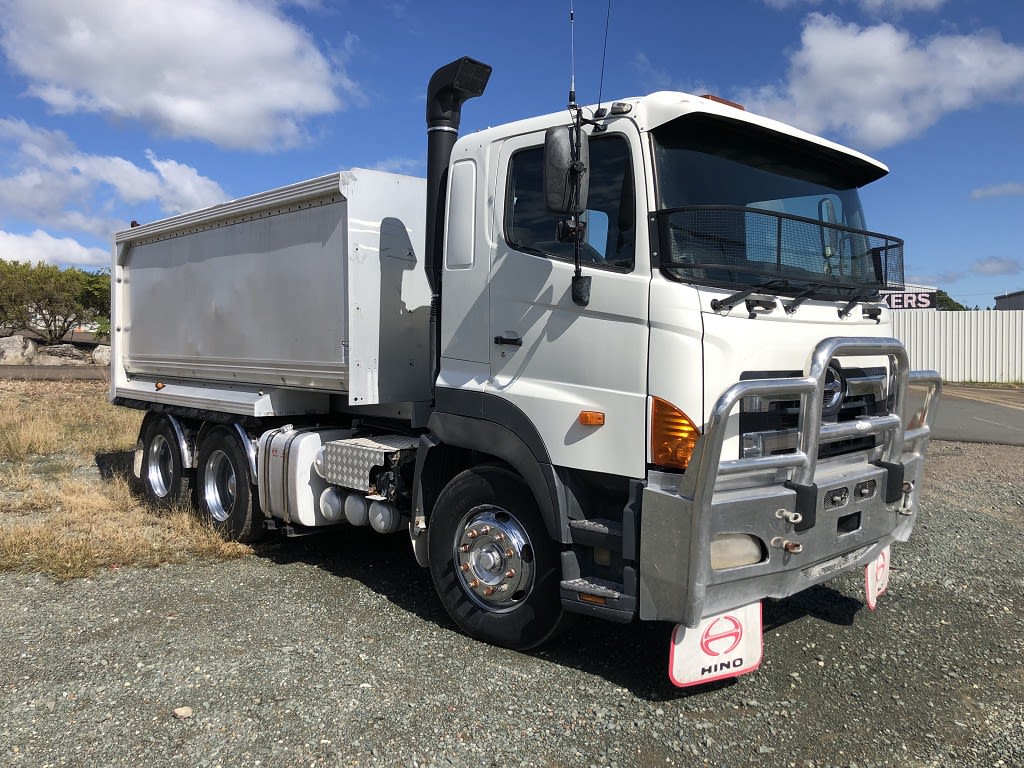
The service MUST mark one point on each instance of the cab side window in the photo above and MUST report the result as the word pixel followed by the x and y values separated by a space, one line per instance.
pixel 610 217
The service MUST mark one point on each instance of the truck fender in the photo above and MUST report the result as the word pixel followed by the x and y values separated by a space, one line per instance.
pixel 185 447
pixel 448 430
pixel 248 444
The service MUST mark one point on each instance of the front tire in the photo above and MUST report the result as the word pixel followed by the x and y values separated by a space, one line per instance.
pixel 165 480
pixel 492 562
pixel 223 490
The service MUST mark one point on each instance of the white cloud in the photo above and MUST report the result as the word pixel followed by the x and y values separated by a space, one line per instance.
pixel 998 190
pixel 181 188
pixel 654 78
pixel 942 278
pixel 40 246
pixel 996 265
pixel 878 85
pixel 59 187
pixel 406 165
pixel 237 73
pixel 898 6
pixel 871 6
pixel 782 4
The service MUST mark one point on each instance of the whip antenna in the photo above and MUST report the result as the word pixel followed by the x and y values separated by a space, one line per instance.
pixel 604 55
pixel 572 56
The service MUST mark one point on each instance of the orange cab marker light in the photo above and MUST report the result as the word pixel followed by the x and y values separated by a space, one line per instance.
pixel 673 435
pixel 720 100
pixel 593 599
pixel 592 418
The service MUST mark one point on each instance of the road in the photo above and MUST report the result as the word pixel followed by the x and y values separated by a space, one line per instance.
pixel 975 414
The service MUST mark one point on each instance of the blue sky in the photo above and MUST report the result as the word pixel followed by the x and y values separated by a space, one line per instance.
pixel 118 109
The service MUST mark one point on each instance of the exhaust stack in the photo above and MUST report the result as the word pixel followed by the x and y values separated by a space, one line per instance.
pixel 450 87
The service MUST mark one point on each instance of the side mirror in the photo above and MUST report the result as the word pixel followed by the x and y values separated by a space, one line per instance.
pixel 565 172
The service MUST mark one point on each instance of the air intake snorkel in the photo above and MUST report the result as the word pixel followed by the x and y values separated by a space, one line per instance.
pixel 450 87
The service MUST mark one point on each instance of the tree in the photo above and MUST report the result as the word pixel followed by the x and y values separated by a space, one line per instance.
pixel 97 300
pixel 62 299
pixel 944 301
pixel 14 278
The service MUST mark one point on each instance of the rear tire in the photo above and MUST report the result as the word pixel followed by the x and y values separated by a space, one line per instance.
pixel 492 562
pixel 223 489
pixel 165 481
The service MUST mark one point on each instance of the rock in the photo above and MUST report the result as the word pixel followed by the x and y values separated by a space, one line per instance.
pixel 17 350
pixel 183 713
pixel 101 355
pixel 60 354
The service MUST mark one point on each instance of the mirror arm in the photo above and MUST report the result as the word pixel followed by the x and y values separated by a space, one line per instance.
pixel 580 282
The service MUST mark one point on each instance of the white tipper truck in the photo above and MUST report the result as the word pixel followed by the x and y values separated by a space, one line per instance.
pixel 628 361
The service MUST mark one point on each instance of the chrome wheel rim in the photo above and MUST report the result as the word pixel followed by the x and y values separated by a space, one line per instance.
pixel 494 558
pixel 219 486
pixel 159 466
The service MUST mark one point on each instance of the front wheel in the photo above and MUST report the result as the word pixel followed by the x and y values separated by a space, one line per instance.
pixel 492 562
pixel 223 490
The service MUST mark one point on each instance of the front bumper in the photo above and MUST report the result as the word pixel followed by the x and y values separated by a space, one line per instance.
pixel 847 508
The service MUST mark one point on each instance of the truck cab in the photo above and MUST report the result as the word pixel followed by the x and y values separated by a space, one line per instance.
pixel 723 420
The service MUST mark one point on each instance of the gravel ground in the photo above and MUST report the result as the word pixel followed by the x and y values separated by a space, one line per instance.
pixel 333 651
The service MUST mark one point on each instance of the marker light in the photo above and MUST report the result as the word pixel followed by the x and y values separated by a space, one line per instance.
pixel 592 418
pixel 673 435
pixel 720 100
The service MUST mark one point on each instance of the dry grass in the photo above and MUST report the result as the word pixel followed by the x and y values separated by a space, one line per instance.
pixel 57 515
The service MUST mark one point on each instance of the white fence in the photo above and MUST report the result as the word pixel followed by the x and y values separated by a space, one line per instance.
pixel 964 346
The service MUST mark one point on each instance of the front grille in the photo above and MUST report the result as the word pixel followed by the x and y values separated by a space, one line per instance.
pixel 769 427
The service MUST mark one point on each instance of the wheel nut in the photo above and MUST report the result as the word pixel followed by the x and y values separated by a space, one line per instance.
pixel 472 533
pixel 486 529
pixel 499 536
pixel 474 583
pixel 464 567
pixel 464 548
pixel 510 573
pixel 510 552
pixel 488 591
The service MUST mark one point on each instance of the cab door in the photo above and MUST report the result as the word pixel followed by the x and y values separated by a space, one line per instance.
pixel 550 358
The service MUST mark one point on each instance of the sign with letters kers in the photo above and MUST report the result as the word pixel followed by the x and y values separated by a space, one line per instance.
pixel 876 577
pixel 726 645
pixel 910 300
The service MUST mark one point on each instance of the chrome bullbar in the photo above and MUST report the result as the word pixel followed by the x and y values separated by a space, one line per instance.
pixel 811 519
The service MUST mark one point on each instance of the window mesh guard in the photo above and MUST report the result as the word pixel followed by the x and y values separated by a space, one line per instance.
pixel 738 245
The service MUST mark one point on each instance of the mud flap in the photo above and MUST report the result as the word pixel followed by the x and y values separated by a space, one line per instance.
pixel 726 645
pixel 876 577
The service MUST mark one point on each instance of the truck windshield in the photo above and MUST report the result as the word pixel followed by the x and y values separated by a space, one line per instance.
pixel 741 206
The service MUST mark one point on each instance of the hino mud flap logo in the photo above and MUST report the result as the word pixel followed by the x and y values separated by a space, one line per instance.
pixel 724 633
pixel 725 645
pixel 876 577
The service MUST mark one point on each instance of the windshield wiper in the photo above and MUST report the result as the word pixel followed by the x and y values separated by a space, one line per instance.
pixel 858 297
pixel 769 286
pixel 809 292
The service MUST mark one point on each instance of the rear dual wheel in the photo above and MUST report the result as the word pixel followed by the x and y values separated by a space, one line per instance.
pixel 223 489
pixel 166 482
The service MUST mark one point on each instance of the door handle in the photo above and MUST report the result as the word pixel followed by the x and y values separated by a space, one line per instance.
pixel 512 342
